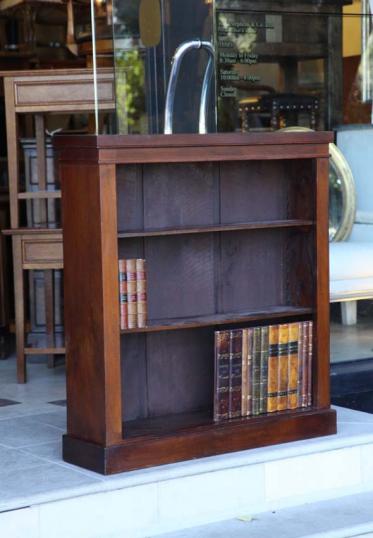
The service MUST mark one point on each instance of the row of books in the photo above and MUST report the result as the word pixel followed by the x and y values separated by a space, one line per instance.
pixel 262 369
pixel 132 291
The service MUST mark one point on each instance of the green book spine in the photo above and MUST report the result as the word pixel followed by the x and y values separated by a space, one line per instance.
pixel 264 353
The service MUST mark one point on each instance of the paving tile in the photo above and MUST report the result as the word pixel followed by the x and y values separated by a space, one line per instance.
pixel 11 458
pixel 38 484
pixel 24 431
pixel 54 418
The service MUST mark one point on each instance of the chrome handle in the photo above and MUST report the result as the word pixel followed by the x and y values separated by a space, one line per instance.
pixel 180 52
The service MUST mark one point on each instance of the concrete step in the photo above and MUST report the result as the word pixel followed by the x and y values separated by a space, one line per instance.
pixel 345 517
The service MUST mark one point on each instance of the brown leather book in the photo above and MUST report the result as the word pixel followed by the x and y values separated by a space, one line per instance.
pixel 249 378
pixel 264 352
pixel 142 308
pixel 256 371
pixel 283 340
pixel 123 305
pixel 301 361
pixel 244 384
pixel 132 294
pixel 273 369
pixel 235 373
pixel 221 377
pixel 293 366
pixel 309 363
pixel 304 347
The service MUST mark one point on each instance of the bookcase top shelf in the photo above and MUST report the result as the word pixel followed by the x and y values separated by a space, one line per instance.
pixel 124 149
pixel 270 313
pixel 294 223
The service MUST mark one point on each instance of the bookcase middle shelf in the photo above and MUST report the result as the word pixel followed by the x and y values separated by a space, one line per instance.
pixel 267 313
pixel 255 225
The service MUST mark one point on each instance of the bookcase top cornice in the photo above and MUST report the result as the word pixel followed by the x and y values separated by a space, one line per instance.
pixel 121 149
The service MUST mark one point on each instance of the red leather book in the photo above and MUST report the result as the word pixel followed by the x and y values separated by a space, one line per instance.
pixel 256 371
pixel 245 380
pixel 235 373
pixel 132 294
pixel 142 308
pixel 249 372
pixel 221 378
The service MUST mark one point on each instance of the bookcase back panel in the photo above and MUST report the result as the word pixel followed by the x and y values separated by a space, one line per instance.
pixel 300 268
pixel 178 195
pixel 180 276
pixel 130 198
pixel 167 373
pixel 134 376
pixel 252 271
pixel 253 191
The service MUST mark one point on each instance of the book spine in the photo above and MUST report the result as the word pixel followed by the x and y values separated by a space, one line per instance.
pixel 283 339
pixel 221 388
pixel 244 384
pixel 264 352
pixel 309 363
pixel 249 378
pixel 304 345
pixel 293 366
pixel 123 295
pixel 142 309
pixel 235 373
pixel 132 294
pixel 301 361
pixel 256 372
pixel 273 369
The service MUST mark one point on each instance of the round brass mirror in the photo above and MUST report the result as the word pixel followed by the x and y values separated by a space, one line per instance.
pixel 342 196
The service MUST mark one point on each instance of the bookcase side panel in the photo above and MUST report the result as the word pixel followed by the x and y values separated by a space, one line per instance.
pixel 321 366
pixel 91 302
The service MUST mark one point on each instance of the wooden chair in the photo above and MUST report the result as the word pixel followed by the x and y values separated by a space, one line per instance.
pixel 40 93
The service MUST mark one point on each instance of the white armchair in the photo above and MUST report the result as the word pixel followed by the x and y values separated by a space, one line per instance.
pixel 351 260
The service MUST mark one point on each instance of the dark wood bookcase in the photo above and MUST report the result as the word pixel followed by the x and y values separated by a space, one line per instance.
pixel 234 230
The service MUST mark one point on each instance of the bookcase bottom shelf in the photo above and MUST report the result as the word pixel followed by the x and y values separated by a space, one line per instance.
pixel 196 437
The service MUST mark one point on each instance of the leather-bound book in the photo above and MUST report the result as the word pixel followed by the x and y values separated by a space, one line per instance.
pixel 132 294
pixel 273 369
pixel 309 363
pixel 256 371
pixel 293 365
pixel 249 378
pixel 123 295
pixel 244 384
pixel 264 352
pixel 221 378
pixel 301 363
pixel 283 340
pixel 304 352
pixel 235 373
pixel 142 307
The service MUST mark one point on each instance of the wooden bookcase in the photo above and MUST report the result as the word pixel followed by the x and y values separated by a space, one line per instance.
pixel 234 230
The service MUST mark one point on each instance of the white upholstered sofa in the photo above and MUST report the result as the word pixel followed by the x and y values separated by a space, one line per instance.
pixel 351 260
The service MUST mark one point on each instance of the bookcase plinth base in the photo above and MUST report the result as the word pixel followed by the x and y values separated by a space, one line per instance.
pixel 209 440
